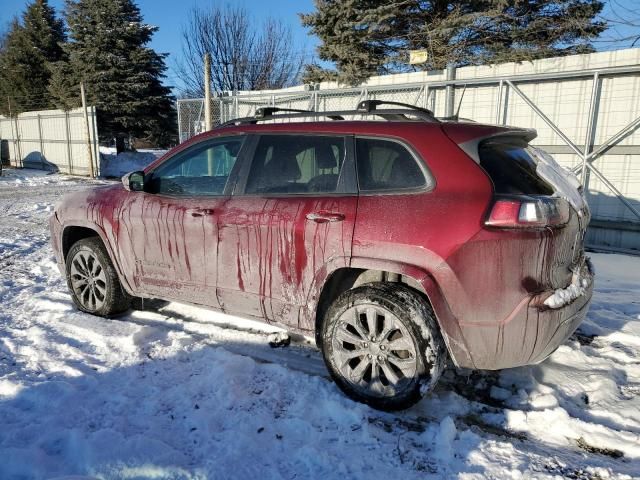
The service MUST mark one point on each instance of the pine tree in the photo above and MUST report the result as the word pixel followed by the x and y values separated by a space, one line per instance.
pixel 369 37
pixel 123 76
pixel 30 48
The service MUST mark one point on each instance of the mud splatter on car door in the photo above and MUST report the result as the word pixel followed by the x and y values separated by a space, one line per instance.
pixel 173 243
pixel 288 228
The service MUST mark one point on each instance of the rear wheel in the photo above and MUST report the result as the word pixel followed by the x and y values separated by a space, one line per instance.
pixel 93 281
pixel 382 345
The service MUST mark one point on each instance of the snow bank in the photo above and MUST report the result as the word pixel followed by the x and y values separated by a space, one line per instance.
pixel 112 165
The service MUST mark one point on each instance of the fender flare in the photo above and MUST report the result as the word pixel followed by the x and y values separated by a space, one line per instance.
pixel 107 245
pixel 448 323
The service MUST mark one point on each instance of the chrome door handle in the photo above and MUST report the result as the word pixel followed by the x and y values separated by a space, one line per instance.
pixel 324 217
pixel 201 212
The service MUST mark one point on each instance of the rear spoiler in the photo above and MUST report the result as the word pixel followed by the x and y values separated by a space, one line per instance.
pixel 468 139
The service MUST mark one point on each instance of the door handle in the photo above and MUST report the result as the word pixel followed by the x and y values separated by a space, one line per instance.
pixel 324 217
pixel 201 212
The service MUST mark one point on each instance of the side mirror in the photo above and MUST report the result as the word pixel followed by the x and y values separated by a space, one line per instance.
pixel 133 182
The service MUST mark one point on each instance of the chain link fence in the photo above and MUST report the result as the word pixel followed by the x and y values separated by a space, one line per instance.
pixel 191 111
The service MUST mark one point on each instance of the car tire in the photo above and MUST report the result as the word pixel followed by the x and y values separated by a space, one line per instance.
pixel 382 345
pixel 93 281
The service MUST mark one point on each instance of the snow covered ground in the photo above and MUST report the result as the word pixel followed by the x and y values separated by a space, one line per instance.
pixel 175 392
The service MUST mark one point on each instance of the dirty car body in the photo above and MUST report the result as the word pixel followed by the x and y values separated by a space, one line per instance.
pixel 274 221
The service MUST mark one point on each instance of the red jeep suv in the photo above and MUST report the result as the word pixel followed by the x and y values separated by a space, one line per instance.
pixel 396 243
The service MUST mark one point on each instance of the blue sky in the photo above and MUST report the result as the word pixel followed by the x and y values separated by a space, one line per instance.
pixel 171 15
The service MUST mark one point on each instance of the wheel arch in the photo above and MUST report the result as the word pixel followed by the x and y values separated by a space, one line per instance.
pixel 73 232
pixel 363 271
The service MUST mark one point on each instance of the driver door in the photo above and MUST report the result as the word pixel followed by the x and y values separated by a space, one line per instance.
pixel 172 227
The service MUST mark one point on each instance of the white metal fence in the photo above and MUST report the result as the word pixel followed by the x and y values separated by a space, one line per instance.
pixel 586 109
pixel 52 139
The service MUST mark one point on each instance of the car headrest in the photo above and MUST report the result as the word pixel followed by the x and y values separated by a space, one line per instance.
pixel 284 162
pixel 325 158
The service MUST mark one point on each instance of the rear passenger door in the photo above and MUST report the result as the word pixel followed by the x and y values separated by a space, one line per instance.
pixel 288 224
pixel 392 178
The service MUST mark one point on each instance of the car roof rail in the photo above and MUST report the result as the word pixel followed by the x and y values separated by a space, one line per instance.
pixel 365 107
pixel 370 106
pixel 262 112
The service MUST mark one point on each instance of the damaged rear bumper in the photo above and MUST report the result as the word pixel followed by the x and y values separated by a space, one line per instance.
pixel 534 332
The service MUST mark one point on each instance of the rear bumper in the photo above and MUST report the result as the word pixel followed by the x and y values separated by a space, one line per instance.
pixel 532 333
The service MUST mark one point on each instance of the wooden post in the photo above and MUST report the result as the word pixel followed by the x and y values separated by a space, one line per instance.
pixel 87 130
pixel 207 109
pixel 15 148
pixel 16 141
pixel 207 92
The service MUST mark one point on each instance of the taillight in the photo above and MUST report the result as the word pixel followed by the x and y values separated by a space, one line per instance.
pixel 528 212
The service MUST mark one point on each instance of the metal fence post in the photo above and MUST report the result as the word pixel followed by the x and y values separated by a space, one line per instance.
pixel 68 138
pixel 40 141
pixel 96 147
pixel 425 98
pixel 499 103
pixel 179 112
pixel 451 92
pixel 591 122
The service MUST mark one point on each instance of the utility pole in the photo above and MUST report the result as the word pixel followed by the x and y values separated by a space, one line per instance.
pixel 87 130
pixel 207 109
pixel 207 91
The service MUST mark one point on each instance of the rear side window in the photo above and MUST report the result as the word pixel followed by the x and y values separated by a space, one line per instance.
pixel 294 164
pixel 384 165
pixel 511 167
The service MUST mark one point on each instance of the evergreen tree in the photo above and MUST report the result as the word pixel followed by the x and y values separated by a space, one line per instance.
pixel 123 76
pixel 369 37
pixel 30 48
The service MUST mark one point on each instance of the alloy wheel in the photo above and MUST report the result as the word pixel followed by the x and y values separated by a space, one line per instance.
pixel 374 351
pixel 88 280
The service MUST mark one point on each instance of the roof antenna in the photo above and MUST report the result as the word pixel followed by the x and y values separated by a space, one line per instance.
pixel 456 117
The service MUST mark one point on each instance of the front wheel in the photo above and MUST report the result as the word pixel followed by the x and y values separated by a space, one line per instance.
pixel 382 345
pixel 93 281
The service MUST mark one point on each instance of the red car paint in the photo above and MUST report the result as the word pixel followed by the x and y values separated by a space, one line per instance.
pixel 270 256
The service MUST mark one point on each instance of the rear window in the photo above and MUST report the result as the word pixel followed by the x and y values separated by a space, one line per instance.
pixel 511 167
pixel 384 165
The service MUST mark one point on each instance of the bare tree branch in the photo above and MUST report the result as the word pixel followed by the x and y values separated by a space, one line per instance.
pixel 624 24
pixel 243 55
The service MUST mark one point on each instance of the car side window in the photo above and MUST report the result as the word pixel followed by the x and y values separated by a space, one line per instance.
pixel 385 165
pixel 296 164
pixel 200 170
